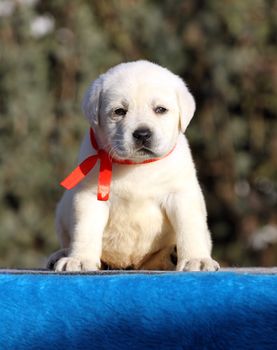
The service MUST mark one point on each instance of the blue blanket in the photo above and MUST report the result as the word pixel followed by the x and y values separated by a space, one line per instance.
pixel 220 310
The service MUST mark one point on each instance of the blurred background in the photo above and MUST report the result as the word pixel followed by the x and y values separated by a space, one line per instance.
pixel 226 52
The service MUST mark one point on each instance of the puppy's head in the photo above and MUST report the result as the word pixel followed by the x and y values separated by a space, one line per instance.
pixel 137 110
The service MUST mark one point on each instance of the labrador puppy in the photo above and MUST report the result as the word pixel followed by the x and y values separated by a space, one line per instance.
pixel 138 112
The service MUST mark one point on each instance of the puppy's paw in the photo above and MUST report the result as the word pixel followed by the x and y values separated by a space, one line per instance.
pixel 74 264
pixel 198 264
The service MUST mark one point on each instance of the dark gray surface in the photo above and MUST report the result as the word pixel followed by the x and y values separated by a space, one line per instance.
pixel 242 270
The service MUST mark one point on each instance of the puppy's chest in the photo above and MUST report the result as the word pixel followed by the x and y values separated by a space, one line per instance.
pixel 136 227
pixel 143 183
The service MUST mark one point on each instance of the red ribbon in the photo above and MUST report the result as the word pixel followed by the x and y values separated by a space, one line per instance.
pixel 105 173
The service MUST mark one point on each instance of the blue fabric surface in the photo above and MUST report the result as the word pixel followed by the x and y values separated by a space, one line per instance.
pixel 163 311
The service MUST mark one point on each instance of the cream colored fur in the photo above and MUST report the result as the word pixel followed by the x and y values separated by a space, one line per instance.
pixel 152 207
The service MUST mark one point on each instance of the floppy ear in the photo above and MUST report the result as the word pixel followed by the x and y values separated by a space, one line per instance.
pixel 186 105
pixel 91 102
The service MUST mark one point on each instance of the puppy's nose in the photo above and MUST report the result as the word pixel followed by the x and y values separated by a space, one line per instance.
pixel 142 134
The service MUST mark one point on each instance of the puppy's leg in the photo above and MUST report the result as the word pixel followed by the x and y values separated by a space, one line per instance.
pixel 90 217
pixel 160 260
pixel 187 212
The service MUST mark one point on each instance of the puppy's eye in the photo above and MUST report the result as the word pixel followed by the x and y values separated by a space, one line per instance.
pixel 160 110
pixel 120 112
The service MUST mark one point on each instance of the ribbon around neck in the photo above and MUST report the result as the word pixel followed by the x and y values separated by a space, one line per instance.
pixel 105 172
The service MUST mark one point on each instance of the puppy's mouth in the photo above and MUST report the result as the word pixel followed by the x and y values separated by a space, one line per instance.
pixel 144 151
pixel 135 154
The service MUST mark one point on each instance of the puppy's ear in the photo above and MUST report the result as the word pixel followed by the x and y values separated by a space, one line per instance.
pixel 186 105
pixel 91 101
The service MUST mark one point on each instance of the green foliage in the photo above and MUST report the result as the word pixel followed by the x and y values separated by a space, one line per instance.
pixel 226 52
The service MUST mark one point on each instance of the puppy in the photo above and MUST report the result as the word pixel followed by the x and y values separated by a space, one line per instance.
pixel 138 112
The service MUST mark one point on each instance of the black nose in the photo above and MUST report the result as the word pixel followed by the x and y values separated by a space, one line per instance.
pixel 142 134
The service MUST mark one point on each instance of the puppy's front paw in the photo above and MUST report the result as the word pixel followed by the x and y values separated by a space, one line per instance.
pixel 198 264
pixel 73 264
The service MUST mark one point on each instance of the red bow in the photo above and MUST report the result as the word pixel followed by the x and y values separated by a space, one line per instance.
pixel 105 173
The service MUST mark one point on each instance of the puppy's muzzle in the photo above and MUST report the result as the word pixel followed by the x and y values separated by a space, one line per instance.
pixel 142 136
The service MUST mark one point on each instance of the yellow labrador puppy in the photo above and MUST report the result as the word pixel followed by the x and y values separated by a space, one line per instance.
pixel 138 112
